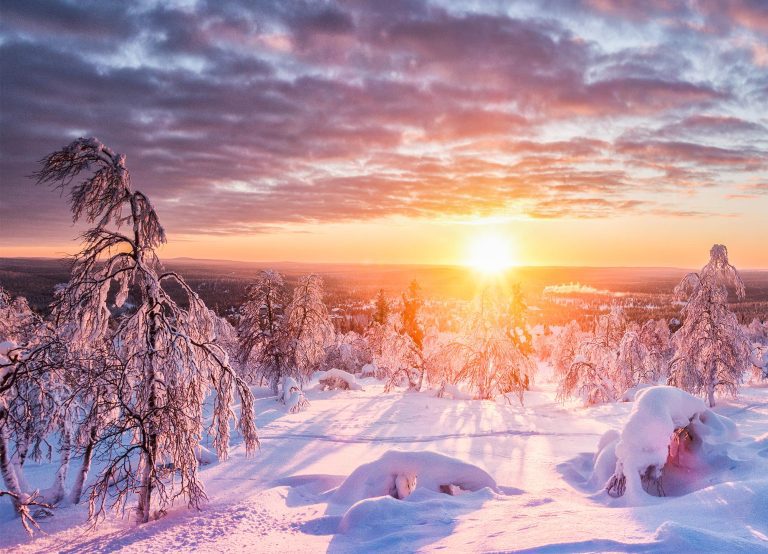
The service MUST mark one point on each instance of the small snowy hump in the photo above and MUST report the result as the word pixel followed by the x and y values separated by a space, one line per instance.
pixel 398 473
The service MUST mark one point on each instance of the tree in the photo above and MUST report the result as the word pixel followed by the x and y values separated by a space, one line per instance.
pixel 308 329
pixel 260 328
pixel 595 375
pixel 381 308
pixel 29 394
pixel 162 359
pixel 349 352
pixel 712 350
pixel 487 357
pixel 516 320
pixel 566 347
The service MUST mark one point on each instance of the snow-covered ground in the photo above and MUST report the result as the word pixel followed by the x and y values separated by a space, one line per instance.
pixel 540 456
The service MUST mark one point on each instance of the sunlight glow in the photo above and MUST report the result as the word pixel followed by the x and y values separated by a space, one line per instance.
pixel 490 253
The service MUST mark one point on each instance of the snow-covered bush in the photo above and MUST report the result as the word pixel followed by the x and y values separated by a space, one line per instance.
pixel 757 331
pixel 349 352
pixel 666 427
pixel 712 350
pixel 292 396
pixel 338 379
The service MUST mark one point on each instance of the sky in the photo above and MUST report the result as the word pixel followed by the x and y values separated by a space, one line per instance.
pixel 584 132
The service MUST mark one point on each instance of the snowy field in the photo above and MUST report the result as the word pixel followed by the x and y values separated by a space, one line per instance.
pixel 540 457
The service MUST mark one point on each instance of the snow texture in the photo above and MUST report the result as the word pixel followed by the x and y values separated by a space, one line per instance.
pixel 397 473
pixel 330 380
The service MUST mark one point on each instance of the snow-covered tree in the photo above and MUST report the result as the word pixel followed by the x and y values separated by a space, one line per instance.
pixel 396 355
pixel 593 375
pixel 381 308
pixel 656 338
pixel 30 391
pixel 712 350
pixel 349 352
pixel 757 331
pixel 260 329
pixel 163 359
pixel 411 322
pixel 307 329
pixel 566 347
pixel 487 358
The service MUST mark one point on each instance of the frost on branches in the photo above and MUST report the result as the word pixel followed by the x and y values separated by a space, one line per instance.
pixel 491 359
pixel 30 391
pixel 712 350
pixel 396 343
pixel 161 357
pixel 261 329
pixel 616 357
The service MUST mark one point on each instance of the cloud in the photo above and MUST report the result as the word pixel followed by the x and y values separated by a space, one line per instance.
pixel 240 118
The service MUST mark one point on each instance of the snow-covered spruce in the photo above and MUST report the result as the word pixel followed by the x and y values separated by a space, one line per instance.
pixel 712 349
pixel 666 426
pixel 397 473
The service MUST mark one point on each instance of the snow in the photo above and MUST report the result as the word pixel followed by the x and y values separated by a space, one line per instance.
pixel 396 469
pixel 645 439
pixel 292 395
pixel 541 457
pixel 329 378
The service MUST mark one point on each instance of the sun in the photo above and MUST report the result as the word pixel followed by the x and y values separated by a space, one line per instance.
pixel 490 253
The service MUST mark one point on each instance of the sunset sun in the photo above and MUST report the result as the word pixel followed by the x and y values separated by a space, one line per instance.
pixel 490 253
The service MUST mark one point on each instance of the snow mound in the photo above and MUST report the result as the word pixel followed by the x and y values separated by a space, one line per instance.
pixel 397 473
pixel 335 379
pixel 666 429
pixel 427 513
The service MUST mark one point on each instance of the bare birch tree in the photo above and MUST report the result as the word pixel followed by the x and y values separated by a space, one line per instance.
pixel 164 360
pixel 260 329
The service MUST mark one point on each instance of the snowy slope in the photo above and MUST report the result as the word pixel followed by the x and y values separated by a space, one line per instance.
pixel 540 456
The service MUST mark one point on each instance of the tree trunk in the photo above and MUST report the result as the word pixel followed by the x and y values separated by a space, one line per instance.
pixel 149 434
pixel 82 475
pixel 147 478
pixel 18 459
pixel 6 469
pixel 61 474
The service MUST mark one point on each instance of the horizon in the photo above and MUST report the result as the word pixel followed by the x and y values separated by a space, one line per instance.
pixel 464 266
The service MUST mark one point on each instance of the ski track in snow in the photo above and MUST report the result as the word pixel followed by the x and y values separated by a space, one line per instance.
pixel 431 438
